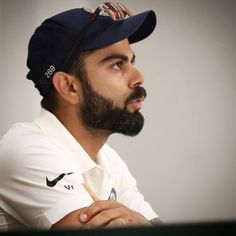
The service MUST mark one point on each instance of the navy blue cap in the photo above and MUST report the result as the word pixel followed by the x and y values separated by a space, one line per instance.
pixel 54 38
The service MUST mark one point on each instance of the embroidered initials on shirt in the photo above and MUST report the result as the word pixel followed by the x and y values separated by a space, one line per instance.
pixel 69 187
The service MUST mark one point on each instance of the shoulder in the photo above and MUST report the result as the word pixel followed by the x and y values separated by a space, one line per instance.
pixel 24 144
pixel 18 137
pixel 39 169
pixel 25 137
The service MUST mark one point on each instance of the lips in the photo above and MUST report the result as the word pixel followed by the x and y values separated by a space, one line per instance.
pixel 138 100
pixel 136 103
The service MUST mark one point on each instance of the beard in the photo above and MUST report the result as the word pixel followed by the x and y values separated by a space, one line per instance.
pixel 98 112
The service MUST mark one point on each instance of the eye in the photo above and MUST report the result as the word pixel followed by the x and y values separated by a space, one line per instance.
pixel 117 65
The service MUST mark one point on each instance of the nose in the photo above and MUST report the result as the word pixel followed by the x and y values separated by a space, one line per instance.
pixel 136 78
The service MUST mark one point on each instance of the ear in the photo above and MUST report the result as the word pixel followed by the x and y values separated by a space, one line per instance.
pixel 67 86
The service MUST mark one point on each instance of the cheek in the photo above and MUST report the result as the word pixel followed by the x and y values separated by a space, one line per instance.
pixel 110 86
pixel 116 95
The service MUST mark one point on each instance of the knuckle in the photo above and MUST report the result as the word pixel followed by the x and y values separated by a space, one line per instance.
pixel 105 214
pixel 98 204
pixel 95 207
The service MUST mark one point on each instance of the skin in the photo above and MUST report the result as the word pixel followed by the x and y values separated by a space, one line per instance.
pixel 112 73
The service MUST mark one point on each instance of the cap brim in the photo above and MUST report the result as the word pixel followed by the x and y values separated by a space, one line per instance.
pixel 147 24
pixel 135 28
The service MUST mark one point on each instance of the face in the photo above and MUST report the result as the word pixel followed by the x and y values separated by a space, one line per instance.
pixel 112 92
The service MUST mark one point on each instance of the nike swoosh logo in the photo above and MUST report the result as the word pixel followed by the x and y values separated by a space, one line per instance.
pixel 52 183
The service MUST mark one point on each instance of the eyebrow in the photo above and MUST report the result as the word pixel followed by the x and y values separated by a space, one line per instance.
pixel 114 56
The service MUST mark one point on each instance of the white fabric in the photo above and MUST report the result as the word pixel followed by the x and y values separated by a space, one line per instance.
pixel 32 152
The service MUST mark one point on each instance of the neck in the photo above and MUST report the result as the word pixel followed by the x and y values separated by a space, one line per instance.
pixel 90 139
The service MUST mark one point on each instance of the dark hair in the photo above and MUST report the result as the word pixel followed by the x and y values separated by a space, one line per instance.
pixel 77 68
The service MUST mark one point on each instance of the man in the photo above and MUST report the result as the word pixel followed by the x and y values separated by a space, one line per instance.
pixel 58 171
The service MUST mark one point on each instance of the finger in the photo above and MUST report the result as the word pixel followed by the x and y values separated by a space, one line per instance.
pixel 104 218
pixel 91 193
pixel 96 208
pixel 117 223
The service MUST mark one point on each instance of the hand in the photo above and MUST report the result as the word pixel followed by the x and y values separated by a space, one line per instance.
pixel 109 213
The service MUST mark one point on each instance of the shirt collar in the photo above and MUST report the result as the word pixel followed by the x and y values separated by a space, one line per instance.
pixel 50 125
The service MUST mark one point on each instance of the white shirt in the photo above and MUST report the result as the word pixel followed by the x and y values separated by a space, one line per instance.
pixel 42 172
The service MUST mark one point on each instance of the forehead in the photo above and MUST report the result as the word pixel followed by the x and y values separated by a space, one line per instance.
pixel 121 47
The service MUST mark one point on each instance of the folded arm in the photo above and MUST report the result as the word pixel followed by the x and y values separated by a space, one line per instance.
pixel 102 213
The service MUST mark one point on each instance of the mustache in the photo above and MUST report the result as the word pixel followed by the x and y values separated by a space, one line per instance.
pixel 139 92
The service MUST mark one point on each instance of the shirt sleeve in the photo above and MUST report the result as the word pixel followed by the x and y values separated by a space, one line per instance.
pixel 127 191
pixel 39 184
